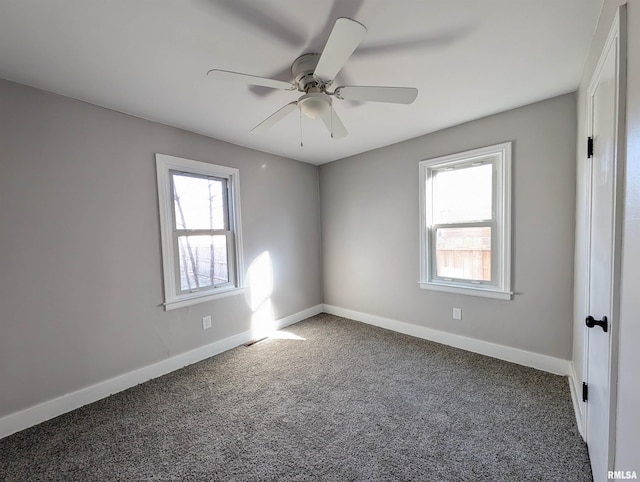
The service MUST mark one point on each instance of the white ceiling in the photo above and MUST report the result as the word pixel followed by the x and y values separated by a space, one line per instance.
pixel 149 58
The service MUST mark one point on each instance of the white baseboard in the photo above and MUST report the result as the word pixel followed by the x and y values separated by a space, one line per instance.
pixel 545 363
pixel 576 398
pixel 28 417
pixel 52 408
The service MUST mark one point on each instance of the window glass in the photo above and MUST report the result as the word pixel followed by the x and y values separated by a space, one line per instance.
pixel 464 253
pixel 199 202
pixel 462 194
pixel 203 261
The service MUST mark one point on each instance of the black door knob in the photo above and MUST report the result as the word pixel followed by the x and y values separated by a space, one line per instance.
pixel 604 323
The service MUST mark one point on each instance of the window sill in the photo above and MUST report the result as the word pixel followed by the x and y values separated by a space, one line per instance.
pixel 195 298
pixel 463 290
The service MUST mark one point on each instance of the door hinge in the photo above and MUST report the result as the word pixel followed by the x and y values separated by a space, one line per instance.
pixel 585 392
pixel 589 146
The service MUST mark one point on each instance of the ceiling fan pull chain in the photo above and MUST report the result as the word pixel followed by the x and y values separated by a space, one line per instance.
pixel 331 122
pixel 301 144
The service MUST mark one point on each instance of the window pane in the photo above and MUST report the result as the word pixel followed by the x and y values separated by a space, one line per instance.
pixel 462 194
pixel 464 253
pixel 203 261
pixel 220 265
pixel 199 202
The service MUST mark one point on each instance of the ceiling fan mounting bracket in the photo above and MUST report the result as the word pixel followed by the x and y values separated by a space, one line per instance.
pixel 302 69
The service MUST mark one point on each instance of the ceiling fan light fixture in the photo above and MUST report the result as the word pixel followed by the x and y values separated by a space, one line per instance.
pixel 314 105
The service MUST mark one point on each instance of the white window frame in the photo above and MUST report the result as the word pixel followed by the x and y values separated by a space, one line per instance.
pixel 499 156
pixel 174 297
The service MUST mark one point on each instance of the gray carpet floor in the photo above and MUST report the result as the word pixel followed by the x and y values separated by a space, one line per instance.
pixel 349 402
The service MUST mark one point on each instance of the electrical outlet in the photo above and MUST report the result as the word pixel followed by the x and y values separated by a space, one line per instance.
pixel 457 314
pixel 206 322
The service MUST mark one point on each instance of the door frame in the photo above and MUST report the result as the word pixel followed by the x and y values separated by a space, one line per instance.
pixel 617 37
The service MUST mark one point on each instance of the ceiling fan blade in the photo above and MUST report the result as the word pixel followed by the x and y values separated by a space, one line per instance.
pixel 276 116
pixel 334 124
pixel 396 95
pixel 260 91
pixel 343 40
pixel 249 79
pixel 340 8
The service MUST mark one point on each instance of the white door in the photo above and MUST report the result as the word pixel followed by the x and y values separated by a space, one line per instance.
pixel 601 324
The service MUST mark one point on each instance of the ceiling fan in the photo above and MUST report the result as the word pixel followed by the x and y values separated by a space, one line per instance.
pixel 313 74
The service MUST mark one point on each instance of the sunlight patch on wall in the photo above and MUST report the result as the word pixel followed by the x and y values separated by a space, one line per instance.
pixel 260 288
pixel 259 281
pixel 263 320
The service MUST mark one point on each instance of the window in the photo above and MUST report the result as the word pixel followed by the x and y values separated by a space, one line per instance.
pixel 465 228
pixel 200 226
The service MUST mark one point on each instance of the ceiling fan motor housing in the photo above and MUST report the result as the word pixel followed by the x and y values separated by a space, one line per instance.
pixel 302 69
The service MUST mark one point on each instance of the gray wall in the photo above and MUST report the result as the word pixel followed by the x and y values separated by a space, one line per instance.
pixel 81 282
pixel 369 206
